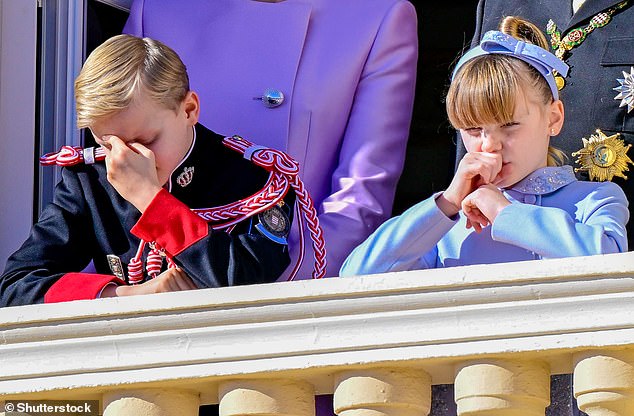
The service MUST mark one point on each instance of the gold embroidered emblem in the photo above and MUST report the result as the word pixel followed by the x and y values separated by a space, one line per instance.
pixel 185 177
pixel 603 157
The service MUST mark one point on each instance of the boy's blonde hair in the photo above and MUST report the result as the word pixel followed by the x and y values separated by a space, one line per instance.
pixel 117 70
pixel 485 89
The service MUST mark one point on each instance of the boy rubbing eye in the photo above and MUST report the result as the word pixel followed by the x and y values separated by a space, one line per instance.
pixel 131 214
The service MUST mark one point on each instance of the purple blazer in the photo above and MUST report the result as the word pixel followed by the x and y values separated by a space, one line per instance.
pixel 347 70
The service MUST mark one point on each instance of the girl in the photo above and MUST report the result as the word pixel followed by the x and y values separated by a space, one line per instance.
pixel 510 198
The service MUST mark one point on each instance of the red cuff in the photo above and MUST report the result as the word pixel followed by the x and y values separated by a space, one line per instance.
pixel 170 223
pixel 77 286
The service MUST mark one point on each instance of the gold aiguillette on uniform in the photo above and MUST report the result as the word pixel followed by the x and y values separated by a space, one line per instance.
pixel 603 157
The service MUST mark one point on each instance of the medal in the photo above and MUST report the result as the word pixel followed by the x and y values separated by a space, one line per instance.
pixel 559 81
pixel 626 90
pixel 275 224
pixel 603 157
pixel 563 45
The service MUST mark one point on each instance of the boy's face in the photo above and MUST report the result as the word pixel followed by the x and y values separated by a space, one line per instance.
pixel 166 132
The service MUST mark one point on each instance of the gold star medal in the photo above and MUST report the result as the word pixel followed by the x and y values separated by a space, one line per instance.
pixel 603 157
pixel 626 90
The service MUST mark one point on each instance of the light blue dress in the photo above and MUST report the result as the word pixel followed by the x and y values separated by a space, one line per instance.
pixel 552 215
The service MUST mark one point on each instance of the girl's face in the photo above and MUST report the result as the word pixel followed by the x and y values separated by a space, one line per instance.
pixel 523 142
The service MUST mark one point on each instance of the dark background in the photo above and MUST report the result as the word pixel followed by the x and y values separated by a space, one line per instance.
pixel 444 28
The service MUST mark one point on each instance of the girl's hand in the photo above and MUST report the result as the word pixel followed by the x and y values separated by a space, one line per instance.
pixel 483 205
pixel 475 169
pixel 131 171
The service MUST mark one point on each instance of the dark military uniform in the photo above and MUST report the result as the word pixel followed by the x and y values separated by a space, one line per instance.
pixel 89 220
pixel 595 66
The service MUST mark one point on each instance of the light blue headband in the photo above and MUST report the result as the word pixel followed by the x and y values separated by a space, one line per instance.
pixel 495 42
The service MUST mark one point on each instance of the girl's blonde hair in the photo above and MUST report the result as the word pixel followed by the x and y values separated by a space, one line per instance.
pixel 485 89
pixel 117 70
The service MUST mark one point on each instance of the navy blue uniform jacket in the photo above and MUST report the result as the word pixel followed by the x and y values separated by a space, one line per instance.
pixel 88 220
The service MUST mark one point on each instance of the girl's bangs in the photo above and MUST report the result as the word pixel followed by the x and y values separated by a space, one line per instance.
pixel 483 92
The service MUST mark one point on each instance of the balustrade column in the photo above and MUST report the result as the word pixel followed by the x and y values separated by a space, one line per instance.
pixel 267 397
pixel 604 382
pixel 382 392
pixel 502 388
pixel 151 402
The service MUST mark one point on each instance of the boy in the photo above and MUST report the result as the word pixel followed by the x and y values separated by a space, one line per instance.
pixel 133 94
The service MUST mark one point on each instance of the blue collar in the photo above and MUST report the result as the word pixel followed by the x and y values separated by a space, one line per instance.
pixel 545 180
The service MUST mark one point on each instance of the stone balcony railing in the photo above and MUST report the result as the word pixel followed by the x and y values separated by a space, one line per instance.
pixel 377 342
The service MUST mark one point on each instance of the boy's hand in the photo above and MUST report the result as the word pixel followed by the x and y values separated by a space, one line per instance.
pixel 483 205
pixel 131 171
pixel 475 169
pixel 171 280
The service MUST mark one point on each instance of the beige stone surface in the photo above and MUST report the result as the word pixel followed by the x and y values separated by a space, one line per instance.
pixel 502 388
pixel 604 382
pixel 266 398
pixel 382 392
pixel 151 402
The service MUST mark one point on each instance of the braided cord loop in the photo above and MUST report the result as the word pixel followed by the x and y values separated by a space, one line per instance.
pixel 274 190
pixel 280 163
pixel 69 156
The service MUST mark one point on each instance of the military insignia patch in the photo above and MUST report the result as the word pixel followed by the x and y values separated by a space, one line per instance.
pixel 115 266
pixel 274 224
pixel 603 157
pixel 185 178
pixel 626 90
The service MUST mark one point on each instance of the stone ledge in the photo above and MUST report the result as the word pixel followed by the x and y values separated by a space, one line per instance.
pixel 430 319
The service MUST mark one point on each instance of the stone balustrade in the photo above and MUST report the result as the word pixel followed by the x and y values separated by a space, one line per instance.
pixel 377 342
